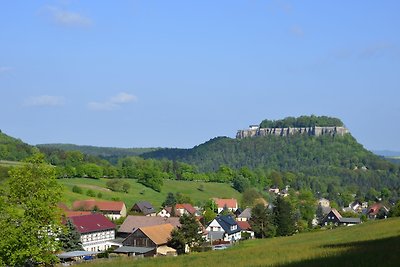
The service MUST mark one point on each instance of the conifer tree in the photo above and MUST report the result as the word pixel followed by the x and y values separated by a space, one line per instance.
pixel 284 219
pixel 70 238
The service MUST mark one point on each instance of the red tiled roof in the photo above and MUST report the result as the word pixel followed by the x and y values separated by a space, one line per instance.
pixel 101 205
pixel 169 210
pixel 92 223
pixel 244 225
pixel 187 207
pixel 374 209
pixel 228 202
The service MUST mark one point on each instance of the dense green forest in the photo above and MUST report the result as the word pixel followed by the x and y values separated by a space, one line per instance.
pixel 325 164
pixel 302 121
pixel 14 149
pixel 111 154
pixel 332 166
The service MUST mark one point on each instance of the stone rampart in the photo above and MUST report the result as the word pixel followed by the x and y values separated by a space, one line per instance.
pixel 311 131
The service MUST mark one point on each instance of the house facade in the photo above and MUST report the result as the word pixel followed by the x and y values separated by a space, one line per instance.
pixel 323 202
pixel 245 227
pixel 229 203
pixel 180 209
pixel 334 217
pixel 132 223
pixel 96 231
pixel 245 215
pixel 155 237
pixel 224 228
pixel 143 207
pixel 377 211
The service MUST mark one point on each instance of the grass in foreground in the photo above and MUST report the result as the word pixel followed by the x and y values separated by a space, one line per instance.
pixel 139 192
pixel 370 244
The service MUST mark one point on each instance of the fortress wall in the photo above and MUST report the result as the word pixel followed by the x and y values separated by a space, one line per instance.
pixel 312 131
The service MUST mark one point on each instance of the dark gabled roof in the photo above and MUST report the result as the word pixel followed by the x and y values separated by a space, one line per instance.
pixel 136 250
pixel 145 207
pixel 226 221
pixel 92 223
pixel 238 211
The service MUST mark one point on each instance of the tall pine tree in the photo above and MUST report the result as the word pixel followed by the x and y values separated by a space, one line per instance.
pixel 283 216
pixel 70 238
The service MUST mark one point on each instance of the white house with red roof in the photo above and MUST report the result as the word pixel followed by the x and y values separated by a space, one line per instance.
pixel 180 209
pixel 229 203
pixel 112 209
pixel 96 231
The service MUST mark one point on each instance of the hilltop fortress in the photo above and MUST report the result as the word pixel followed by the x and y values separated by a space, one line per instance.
pixel 255 130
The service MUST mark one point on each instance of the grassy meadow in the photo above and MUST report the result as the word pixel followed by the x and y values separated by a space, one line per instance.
pixel 369 244
pixel 138 191
pixel 8 163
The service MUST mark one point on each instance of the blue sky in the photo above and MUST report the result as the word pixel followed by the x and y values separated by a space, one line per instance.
pixel 178 73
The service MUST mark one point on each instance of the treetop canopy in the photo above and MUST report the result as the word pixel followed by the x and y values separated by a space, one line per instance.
pixel 302 121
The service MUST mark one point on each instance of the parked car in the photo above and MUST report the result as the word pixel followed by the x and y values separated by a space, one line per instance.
pixel 219 247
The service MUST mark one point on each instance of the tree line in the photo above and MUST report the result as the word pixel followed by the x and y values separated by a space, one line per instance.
pixel 302 121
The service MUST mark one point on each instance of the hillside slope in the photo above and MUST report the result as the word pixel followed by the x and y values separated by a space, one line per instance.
pixel 297 152
pixel 14 149
pixel 320 160
pixel 111 154
pixel 370 244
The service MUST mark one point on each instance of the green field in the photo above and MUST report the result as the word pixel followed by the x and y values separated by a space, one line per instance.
pixel 9 163
pixel 139 192
pixel 369 244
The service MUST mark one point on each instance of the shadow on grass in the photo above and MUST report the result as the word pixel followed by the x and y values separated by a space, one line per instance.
pixel 380 252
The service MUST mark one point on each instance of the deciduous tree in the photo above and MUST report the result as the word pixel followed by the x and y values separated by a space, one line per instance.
pixel 29 216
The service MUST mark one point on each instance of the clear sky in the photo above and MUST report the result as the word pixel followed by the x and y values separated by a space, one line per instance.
pixel 178 73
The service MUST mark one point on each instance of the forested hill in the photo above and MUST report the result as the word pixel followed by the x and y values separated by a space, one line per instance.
pixel 14 149
pixel 111 154
pixel 297 153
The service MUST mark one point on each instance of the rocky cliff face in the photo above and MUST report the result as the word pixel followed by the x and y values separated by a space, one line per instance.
pixel 311 131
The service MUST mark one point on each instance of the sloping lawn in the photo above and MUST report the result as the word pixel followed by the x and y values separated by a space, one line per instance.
pixel 369 244
pixel 139 192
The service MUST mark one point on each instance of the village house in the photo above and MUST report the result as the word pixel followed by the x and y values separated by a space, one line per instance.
pixel 71 213
pixel 244 216
pixel 228 203
pixel 274 190
pixel 180 209
pixel 246 231
pixel 334 217
pixel 356 207
pixel 377 211
pixel 96 230
pixel 132 223
pixel 112 209
pixel 323 202
pixel 155 237
pixel 143 207
pixel 224 228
